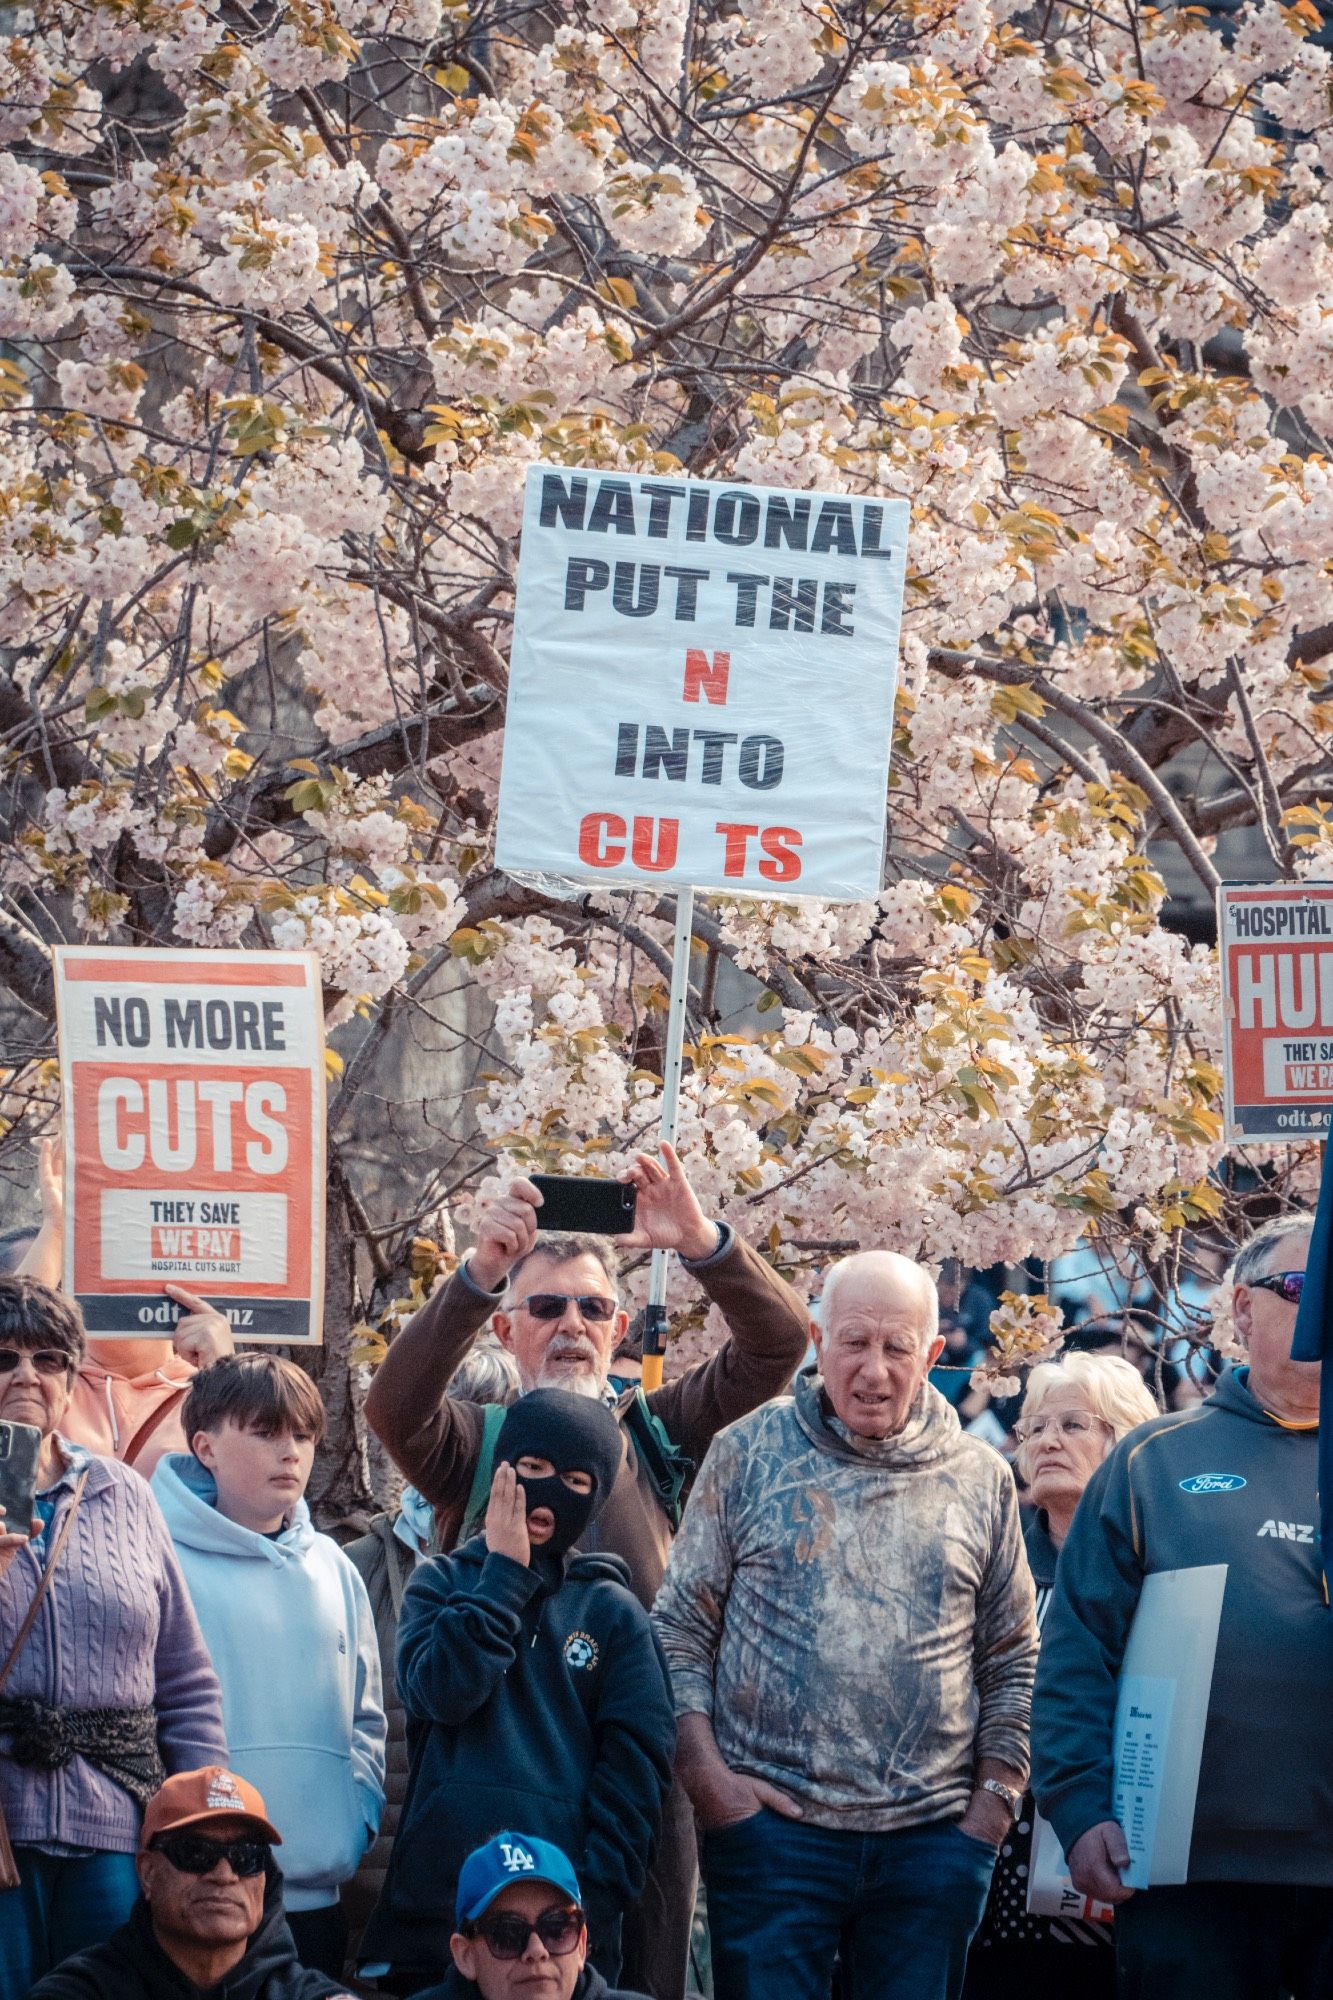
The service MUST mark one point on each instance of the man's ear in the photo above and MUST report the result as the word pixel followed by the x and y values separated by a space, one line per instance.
pixel 817 1335
pixel 1242 1311
pixel 143 1868
pixel 464 1951
pixel 201 1445
pixel 935 1350
pixel 503 1325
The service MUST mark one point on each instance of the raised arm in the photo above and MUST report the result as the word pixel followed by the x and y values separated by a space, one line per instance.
pixel 433 1438
pixel 768 1327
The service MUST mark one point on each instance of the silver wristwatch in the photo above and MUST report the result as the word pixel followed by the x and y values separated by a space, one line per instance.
pixel 1013 1799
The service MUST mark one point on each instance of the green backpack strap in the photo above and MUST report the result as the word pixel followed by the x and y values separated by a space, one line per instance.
pixel 479 1493
pixel 668 1468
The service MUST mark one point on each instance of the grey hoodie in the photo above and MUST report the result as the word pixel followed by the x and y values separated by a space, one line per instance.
pixel 1224 1483
pixel 856 1619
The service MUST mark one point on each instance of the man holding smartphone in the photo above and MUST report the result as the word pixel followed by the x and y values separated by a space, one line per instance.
pixel 556 1308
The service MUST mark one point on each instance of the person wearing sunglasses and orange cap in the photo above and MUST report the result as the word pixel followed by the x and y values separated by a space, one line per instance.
pixel 521 1932
pixel 209 1918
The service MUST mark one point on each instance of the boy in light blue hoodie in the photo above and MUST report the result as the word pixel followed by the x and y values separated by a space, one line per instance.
pixel 288 1623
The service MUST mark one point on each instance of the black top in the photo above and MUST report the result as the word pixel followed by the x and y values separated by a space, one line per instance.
pixel 548 1711
pixel 132 1965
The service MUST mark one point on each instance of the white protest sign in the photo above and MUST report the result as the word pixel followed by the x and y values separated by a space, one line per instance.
pixel 193 1107
pixel 1161 1715
pixel 701 686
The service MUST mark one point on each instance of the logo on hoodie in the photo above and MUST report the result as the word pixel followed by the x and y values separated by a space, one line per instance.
pixel 1213 1482
pixel 581 1651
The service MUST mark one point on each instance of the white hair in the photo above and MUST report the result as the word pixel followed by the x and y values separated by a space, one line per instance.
pixel 896 1270
pixel 1114 1388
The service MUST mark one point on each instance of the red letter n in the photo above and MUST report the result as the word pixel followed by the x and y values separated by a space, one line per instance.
pixel 712 680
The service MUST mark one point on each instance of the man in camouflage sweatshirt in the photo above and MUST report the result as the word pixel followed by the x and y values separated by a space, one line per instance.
pixel 848 1618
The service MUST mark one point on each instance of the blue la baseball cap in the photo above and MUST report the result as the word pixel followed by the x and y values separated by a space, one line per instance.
pixel 511 1857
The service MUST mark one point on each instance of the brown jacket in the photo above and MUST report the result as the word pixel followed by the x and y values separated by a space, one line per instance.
pixel 435 1440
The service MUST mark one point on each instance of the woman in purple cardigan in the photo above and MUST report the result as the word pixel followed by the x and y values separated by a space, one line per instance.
pixel 113 1689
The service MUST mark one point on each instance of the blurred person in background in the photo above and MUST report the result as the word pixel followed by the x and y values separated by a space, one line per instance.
pixel 1074 1410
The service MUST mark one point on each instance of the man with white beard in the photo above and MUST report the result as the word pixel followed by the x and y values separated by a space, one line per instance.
pixel 555 1306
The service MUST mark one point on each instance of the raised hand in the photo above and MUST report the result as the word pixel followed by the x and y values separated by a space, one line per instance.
pixel 203 1334
pixel 507 1517
pixel 506 1231
pixel 668 1215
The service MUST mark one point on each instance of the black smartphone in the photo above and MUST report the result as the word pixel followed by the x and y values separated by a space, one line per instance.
pixel 576 1201
pixel 20 1449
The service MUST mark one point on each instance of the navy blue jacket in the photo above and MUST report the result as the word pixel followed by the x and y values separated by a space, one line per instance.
pixel 546 1712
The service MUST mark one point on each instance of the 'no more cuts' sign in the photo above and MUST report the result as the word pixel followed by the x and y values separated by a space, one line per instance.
pixel 193 1106
pixel 1276 947
pixel 702 686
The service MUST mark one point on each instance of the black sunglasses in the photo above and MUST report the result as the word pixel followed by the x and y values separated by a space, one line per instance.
pixel 506 1934
pixel 193 1855
pixel 46 1360
pixel 1287 1284
pixel 551 1305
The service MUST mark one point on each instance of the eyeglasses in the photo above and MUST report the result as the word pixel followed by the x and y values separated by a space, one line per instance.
pixel 1073 1424
pixel 506 1934
pixel 1287 1284
pixel 193 1855
pixel 46 1360
pixel 551 1305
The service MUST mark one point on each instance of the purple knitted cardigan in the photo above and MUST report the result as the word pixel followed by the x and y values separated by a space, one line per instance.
pixel 116 1630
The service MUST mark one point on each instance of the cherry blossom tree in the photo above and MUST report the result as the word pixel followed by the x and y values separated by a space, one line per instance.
pixel 294 292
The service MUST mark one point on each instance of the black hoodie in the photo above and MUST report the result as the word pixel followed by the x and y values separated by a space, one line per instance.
pixel 546 1710
pixel 132 1965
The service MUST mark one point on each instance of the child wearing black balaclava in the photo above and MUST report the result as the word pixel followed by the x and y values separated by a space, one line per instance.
pixel 535 1692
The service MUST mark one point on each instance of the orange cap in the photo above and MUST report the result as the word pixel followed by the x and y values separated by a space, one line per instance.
pixel 193 1798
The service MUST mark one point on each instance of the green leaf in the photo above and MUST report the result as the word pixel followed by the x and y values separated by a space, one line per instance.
pixel 182 533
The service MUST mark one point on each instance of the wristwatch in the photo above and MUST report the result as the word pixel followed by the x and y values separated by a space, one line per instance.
pixel 1013 1799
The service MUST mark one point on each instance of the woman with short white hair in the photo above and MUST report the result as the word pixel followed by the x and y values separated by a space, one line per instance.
pixel 1074 1410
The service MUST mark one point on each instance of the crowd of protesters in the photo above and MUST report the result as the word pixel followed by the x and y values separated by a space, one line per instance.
pixel 792 1620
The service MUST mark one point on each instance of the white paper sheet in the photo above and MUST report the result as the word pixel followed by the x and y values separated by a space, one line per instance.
pixel 1166 1679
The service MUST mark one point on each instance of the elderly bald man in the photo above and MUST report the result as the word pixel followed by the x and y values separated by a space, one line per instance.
pixel 848 1618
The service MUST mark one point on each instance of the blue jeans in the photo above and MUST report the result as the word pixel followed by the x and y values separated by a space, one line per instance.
pixel 784 1898
pixel 62 1905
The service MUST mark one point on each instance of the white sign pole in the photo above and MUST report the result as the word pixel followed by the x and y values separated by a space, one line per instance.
pixel 654 1318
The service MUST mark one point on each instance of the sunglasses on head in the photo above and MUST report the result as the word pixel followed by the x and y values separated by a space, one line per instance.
pixel 505 1934
pixel 46 1360
pixel 1287 1284
pixel 551 1305
pixel 192 1854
